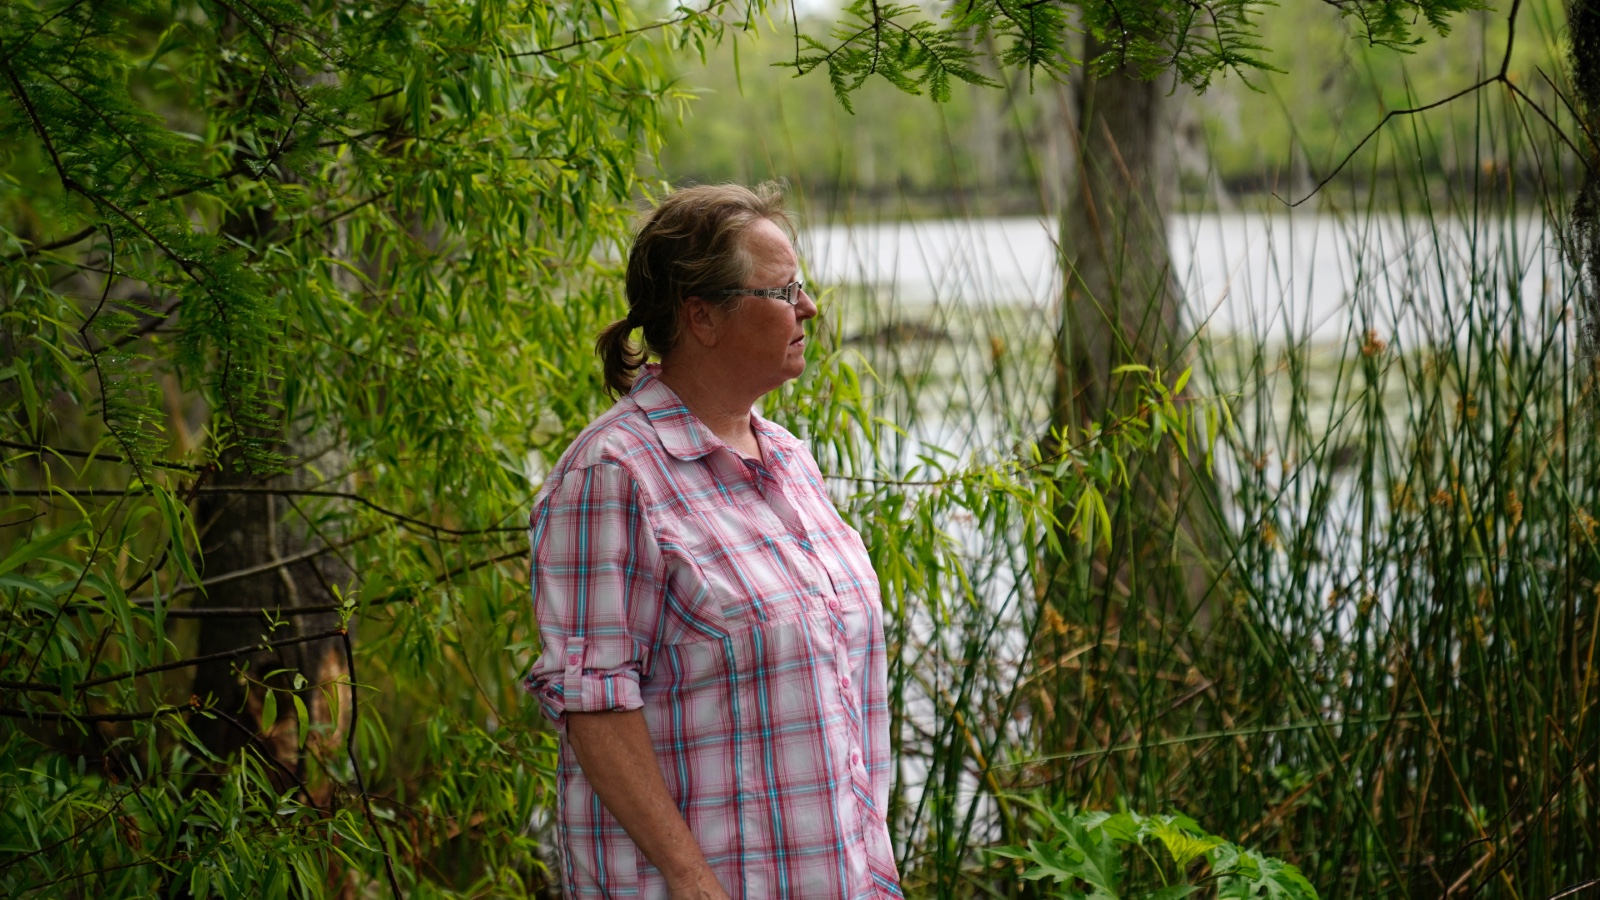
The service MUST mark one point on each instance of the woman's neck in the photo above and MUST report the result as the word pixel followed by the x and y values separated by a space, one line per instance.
pixel 726 412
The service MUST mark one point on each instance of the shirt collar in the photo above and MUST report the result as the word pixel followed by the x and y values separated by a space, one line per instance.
pixel 685 436
pixel 680 432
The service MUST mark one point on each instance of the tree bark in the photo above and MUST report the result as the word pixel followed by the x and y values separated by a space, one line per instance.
pixel 1583 35
pixel 1120 302
pixel 259 530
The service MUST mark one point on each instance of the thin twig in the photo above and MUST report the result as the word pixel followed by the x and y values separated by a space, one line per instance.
pixel 265 753
pixel 287 612
pixel 1379 127
pixel 147 861
pixel 73 837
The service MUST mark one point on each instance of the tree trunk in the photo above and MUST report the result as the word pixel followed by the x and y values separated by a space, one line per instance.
pixel 1583 35
pixel 1121 304
pixel 259 531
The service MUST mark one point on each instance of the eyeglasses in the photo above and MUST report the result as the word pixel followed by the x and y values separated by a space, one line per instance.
pixel 789 293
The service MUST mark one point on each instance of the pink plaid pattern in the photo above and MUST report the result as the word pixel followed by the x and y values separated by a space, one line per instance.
pixel 728 600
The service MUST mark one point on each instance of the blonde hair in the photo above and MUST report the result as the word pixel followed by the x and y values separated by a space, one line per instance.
pixel 690 244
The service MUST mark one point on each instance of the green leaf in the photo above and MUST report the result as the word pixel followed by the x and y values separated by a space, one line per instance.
pixel 269 710
pixel 27 551
pixel 303 718
pixel 1100 860
pixel 1184 846
pixel 1253 875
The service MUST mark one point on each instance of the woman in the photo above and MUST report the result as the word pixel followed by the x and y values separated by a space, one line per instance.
pixel 712 634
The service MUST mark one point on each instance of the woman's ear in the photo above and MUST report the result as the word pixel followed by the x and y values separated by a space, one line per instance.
pixel 701 321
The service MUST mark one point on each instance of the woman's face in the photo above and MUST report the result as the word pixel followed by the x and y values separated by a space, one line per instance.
pixel 760 338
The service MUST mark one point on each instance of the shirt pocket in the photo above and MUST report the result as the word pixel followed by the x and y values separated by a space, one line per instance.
pixel 847 567
pixel 740 562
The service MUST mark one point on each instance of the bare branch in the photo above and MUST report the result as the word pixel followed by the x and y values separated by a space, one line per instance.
pixel 235 653
pixel 289 612
pixel 104 814
pixel 604 38
pixel 1501 77
pixel 279 492
pixel 49 716
pixel 261 569
pixel 1379 127
pixel 105 457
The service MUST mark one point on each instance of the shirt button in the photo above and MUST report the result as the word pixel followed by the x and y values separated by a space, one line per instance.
pixel 833 605
pixel 573 659
pixel 845 682
pixel 855 757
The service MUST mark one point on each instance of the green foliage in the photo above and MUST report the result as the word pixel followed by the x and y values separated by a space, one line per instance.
pixel 923 49
pixel 988 151
pixel 359 249
pixel 1085 856
pixel 915 53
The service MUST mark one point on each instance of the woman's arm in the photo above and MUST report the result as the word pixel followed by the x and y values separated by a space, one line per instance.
pixel 614 750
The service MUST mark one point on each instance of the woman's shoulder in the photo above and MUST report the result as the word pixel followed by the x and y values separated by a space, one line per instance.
pixel 618 436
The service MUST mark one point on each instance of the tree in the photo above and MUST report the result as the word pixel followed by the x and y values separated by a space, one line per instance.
pixel 1584 43
pixel 288 290
pixel 1120 306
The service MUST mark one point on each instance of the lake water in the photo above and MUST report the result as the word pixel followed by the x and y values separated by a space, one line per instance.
pixel 1272 277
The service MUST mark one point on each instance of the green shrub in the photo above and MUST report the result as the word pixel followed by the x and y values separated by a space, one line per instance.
pixel 1106 856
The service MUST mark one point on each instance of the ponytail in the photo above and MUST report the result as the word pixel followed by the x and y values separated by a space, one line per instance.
pixel 618 356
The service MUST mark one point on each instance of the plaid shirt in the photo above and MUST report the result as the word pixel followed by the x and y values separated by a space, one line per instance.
pixel 728 600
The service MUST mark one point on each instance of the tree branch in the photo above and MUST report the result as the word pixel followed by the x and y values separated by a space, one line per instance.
pixel 1501 77
pixel 289 612
pixel 599 39
pixel 244 612
pixel 42 449
pixel 261 569
pixel 278 492
pixel 49 716
pixel 235 653
pixel 104 814
pixel 355 766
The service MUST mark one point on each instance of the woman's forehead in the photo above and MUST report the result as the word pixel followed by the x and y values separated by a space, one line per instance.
pixel 768 245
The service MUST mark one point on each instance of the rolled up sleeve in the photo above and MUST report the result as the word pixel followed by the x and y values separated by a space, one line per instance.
pixel 596 593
